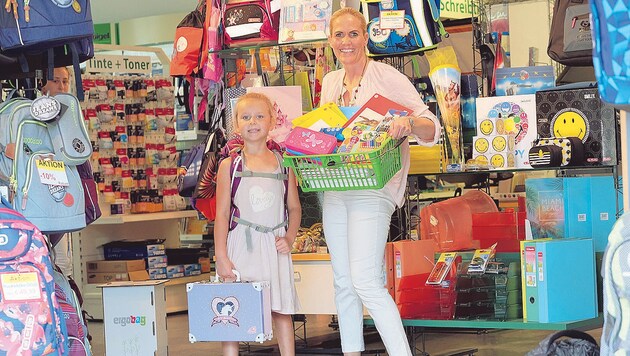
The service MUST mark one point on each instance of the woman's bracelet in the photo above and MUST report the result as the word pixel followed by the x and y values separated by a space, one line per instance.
pixel 411 122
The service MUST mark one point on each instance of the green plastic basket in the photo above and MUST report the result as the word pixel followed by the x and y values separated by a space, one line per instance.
pixel 347 171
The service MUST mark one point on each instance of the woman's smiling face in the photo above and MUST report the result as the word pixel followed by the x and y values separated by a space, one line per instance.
pixel 348 40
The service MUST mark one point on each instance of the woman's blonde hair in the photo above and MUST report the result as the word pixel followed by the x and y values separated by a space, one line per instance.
pixel 348 11
pixel 255 96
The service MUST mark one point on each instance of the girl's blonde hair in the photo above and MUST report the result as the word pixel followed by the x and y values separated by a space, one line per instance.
pixel 255 96
pixel 348 11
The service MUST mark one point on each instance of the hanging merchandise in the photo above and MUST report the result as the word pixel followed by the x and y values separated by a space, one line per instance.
pixel 324 63
pixel 304 20
pixel 611 35
pixel 287 103
pixel 251 22
pixel 32 320
pixel 188 48
pixel 131 122
pixel 445 76
pixel 44 184
pixel 213 67
pixel 570 40
pixel 402 27
pixel 46 34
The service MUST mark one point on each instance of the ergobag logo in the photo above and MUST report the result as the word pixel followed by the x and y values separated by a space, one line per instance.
pixel 128 320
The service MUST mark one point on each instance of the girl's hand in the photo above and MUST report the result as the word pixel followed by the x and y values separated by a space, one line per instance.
pixel 224 268
pixel 400 127
pixel 282 245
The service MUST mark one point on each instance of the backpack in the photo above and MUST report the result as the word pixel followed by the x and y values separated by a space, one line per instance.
pixel 188 48
pixel 31 320
pixel 422 30
pixel 251 22
pixel 191 166
pixel 204 198
pixel 570 40
pixel 610 24
pixel 567 343
pixel 77 332
pixel 51 34
pixel 616 289
pixel 53 208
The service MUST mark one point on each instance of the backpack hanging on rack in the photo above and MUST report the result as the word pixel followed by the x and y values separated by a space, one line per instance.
pixel 248 22
pixel 570 40
pixel 46 35
pixel 422 29
pixel 611 35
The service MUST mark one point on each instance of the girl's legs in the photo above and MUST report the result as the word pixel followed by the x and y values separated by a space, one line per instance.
pixel 283 328
pixel 230 348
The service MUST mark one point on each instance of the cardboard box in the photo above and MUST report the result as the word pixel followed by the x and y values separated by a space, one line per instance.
pixel 174 271
pixel 192 269
pixel 106 277
pixel 580 113
pixel 524 80
pixel 206 266
pixel 116 266
pixel 157 261
pixel 157 273
pixel 504 115
pixel 129 250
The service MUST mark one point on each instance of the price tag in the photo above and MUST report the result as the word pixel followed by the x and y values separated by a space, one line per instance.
pixel 392 19
pixel 52 172
pixel 45 108
pixel 20 286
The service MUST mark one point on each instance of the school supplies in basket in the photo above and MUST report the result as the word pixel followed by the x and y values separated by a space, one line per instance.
pixel 369 169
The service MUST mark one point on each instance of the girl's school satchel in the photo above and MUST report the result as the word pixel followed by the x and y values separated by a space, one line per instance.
pixel 239 311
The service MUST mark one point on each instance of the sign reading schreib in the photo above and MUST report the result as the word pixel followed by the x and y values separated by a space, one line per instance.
pixel 101 63
pixel 458 9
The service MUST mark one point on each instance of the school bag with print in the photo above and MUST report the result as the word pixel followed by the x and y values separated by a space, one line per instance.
pixel 77 342
pixel 251 22
pixel 616 289
pixel 42 186
pixel 611 36
pixel 46 34
pixel 31 320
pixel 419 21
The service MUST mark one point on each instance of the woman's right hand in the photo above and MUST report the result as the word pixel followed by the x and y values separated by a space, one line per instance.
pixel 224 269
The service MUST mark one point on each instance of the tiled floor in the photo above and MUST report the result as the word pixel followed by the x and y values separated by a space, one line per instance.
pixel 321 335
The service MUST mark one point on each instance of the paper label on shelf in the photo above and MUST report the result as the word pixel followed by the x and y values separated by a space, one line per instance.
pixel 398 264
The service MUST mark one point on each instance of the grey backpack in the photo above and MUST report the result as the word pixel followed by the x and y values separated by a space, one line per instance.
pixel 41 174
pixel 616 274
pixel 570 39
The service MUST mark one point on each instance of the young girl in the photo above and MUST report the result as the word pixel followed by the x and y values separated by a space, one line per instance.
pixel 259 256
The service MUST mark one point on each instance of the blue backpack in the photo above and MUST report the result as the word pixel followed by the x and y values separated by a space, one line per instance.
pixel 52 33
pixel 422 29
pixel 52 208
pixel 611 35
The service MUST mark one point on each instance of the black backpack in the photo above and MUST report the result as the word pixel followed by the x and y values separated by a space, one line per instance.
pixel 570 40
pixel 567 343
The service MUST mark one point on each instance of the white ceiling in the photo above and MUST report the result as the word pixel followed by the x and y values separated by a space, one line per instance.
pixel 104 11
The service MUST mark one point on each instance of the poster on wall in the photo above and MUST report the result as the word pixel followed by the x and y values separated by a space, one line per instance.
pixel 287 101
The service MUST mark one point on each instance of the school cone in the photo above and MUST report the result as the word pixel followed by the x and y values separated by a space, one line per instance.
pixel 446 76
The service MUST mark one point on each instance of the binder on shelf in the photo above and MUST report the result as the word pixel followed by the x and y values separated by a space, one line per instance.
pixel 560 280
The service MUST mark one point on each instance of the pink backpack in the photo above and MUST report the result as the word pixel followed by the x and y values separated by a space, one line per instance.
pixel 251 22
pixel 31 320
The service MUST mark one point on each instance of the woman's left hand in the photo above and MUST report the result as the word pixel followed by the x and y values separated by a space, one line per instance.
pixel 400 127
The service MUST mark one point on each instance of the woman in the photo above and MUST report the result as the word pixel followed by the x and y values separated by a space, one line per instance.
pixel 356 223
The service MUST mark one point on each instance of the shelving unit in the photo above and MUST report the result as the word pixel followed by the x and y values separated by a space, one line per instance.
pixel 87 247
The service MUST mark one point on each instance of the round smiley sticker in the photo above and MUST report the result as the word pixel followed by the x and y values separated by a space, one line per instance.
pixel 499 143
pixel 481 145
pixel 486 127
